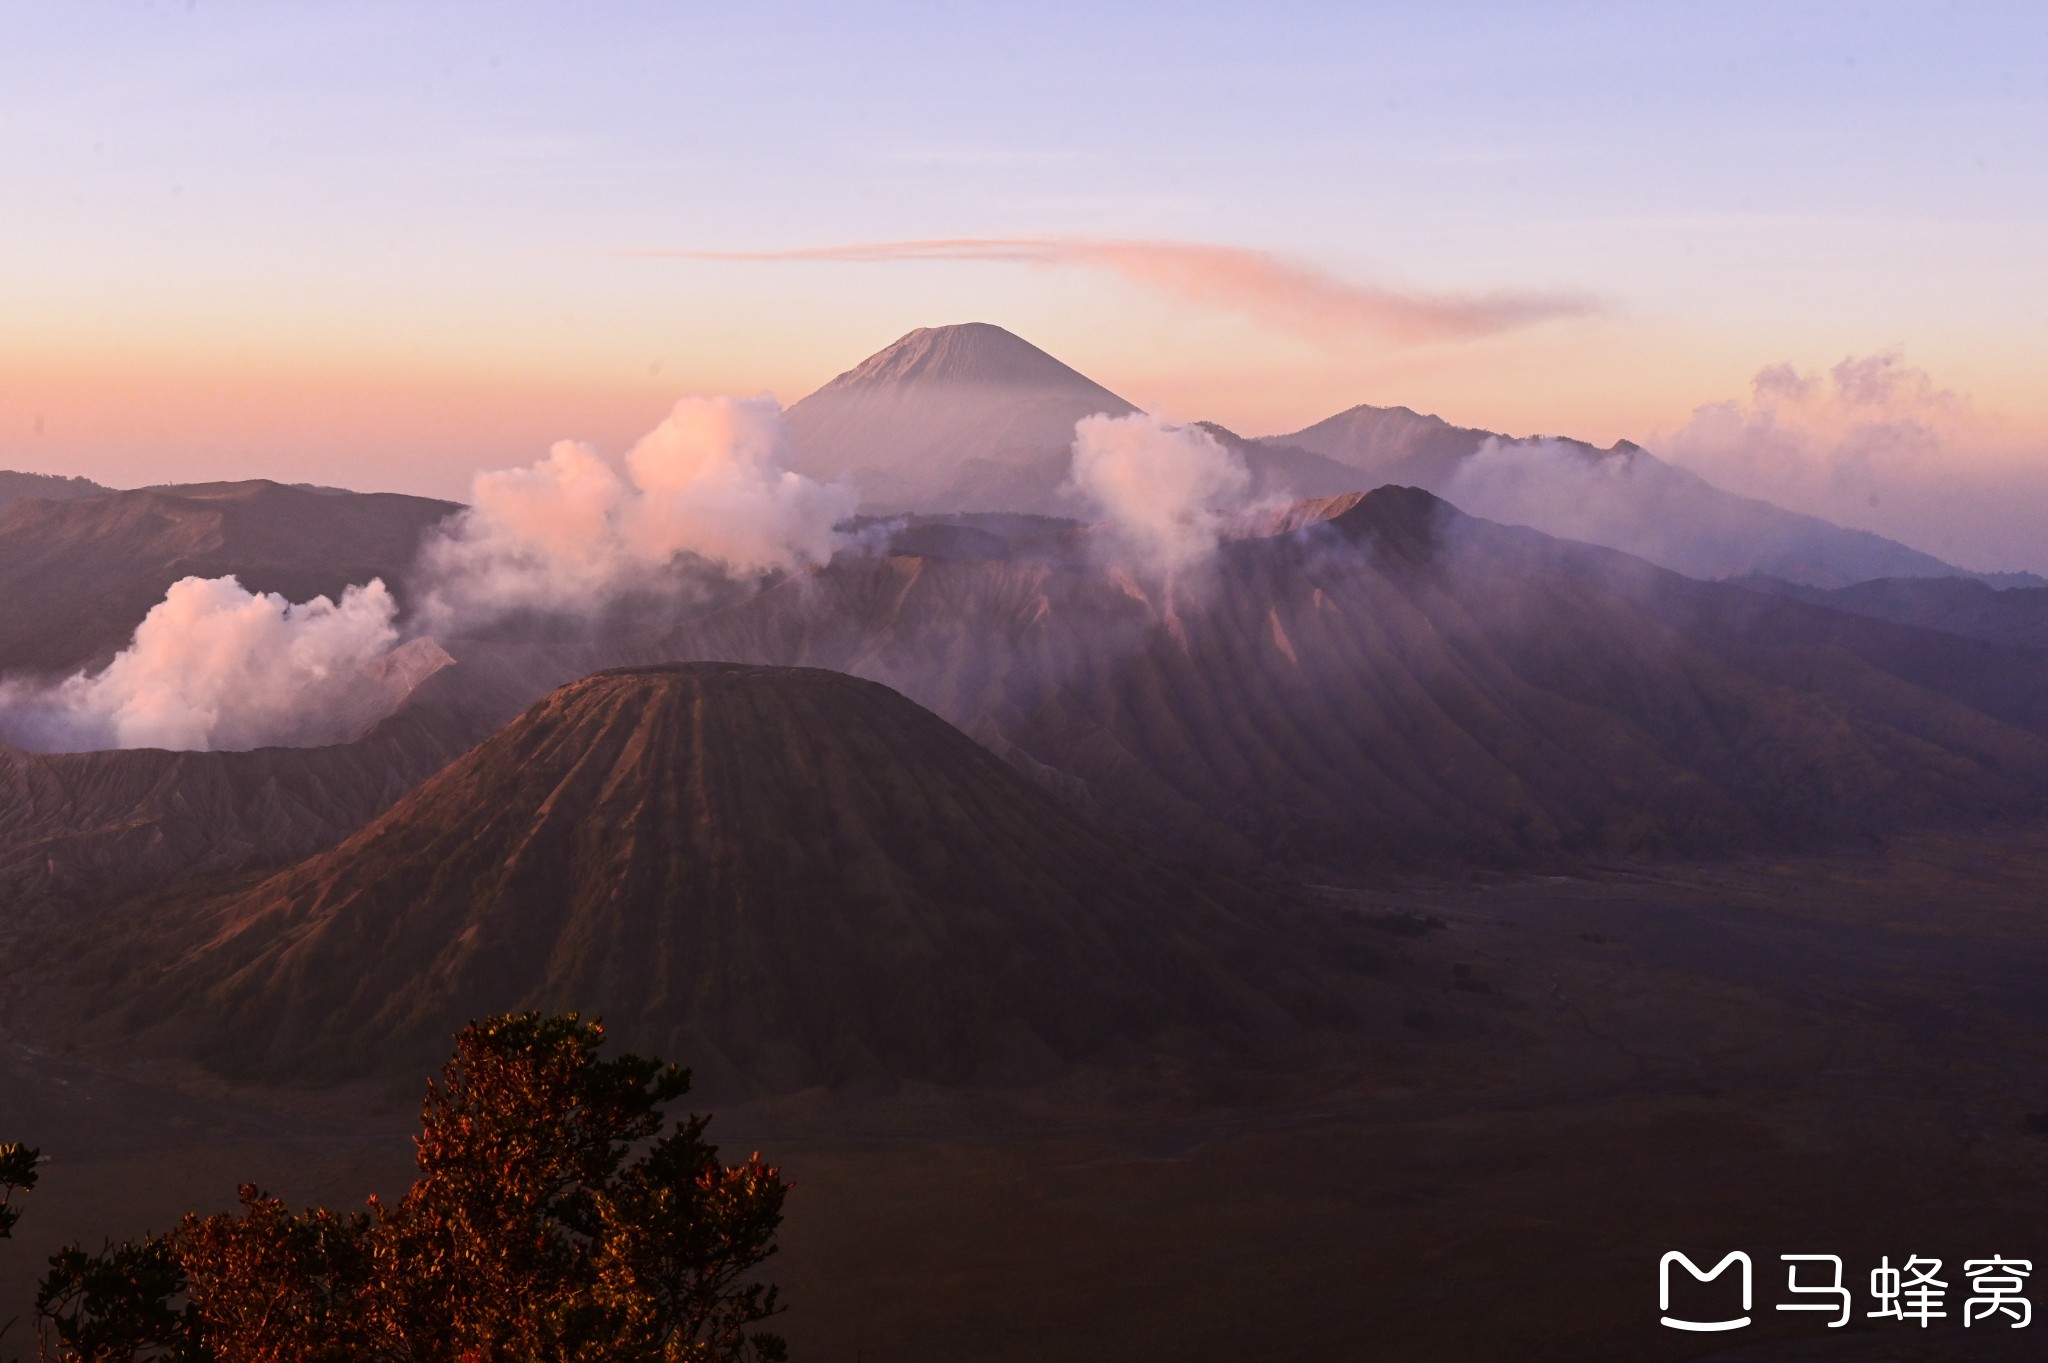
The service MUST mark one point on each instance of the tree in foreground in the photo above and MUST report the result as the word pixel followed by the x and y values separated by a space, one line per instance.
pixel 17 1175
pixel 554 1218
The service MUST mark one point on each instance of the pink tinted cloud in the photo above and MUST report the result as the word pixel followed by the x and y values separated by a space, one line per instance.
pixel 1287 295
pixel 1874 442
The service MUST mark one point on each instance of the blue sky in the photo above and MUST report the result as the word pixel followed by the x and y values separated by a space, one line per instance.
pixel 213 211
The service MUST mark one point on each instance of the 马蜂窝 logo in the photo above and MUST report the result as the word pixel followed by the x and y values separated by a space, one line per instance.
pixel 1911 1293
pixel 1664 1290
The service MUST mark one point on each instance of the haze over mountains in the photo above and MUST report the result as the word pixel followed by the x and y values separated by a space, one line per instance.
pixel 796 876
pixel 973 418
pixel 1378 681
pixel 1395 682
pixel 1623 497
pixel 1353 682
pixel 947 420
pixel 1029 635
pixel 973 684
pixel 1973 609
pixel 970 788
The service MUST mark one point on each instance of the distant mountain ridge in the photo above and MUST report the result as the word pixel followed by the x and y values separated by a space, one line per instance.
pixel 20 487
pixel 77 575
pixel 1382 680
pixel 972 418
pixel 1622 497
pixel 1964 606
pixel 82 828
pixel 1393 444
pixel 1365 680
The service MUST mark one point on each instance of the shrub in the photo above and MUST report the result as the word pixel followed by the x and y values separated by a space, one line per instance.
pixel 555 1217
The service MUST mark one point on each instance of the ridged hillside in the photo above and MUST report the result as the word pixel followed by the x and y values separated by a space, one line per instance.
pixel 77 576
pixel 786 875
pixel 1623 497
pixel 1391 682
pixel 83 828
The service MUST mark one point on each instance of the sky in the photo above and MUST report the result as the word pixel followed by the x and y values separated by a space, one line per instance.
pixel 385 245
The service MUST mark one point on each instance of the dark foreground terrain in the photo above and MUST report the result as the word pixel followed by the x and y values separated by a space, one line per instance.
pixel 1816 1055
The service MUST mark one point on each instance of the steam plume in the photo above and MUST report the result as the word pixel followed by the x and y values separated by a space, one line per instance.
pixel 1286 295
pixel 568 533
pixel 214 666
pixel 1166 490
pixel 1575 492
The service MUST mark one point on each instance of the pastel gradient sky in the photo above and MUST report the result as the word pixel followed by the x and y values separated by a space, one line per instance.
pixel 383 245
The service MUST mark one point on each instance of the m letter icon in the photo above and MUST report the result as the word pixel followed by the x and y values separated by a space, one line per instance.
pixel 1664 1290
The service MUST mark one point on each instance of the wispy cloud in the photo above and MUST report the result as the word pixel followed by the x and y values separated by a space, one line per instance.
pixel 1273 290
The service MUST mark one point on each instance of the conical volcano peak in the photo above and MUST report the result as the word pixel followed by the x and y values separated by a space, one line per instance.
pixel 969 353
pixel 958 418
pixel 792 875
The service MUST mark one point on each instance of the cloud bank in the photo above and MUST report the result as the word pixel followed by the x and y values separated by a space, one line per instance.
pixel 1286 295
pixel 1875 443
pixel 1167 492
pixel 1835 438
pixel 214 666
pixel 569 533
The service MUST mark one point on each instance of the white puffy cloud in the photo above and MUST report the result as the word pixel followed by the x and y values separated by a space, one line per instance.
pixel 1874 442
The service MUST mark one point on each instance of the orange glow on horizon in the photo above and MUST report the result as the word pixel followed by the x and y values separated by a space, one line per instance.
pixel 425 424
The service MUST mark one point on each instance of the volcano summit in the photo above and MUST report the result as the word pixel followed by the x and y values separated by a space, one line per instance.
pixel 789 875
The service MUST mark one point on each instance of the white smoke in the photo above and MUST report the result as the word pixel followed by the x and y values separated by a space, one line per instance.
pixel 569 533
pixel 1627 499
pixel 1168 492
pixel 214 666
pixel 1566 489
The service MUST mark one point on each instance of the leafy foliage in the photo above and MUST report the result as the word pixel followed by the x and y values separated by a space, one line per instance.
pixel 556 1217
pixel 272 1284
pixel 119 1304
pixel 17 1175
pixel 530 1234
